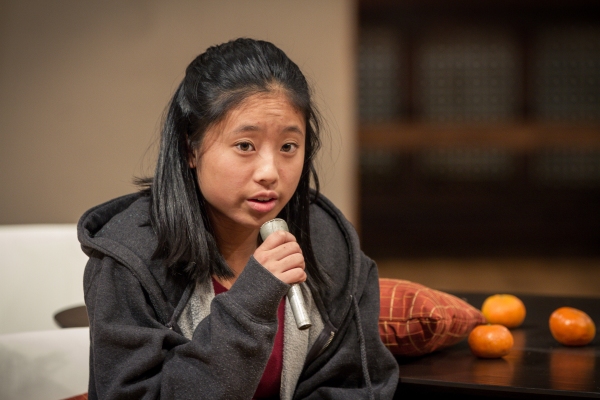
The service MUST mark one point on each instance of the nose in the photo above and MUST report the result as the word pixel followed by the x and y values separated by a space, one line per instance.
pixel 266 172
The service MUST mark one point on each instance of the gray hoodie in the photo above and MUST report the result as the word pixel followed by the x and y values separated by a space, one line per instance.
pixel 156 335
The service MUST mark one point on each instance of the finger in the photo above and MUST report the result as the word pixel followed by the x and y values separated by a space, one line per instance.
pixel 276 239
pixel 277 267
pixel 284 250
pixel 292 276
pixel 290 262
pixel 270 259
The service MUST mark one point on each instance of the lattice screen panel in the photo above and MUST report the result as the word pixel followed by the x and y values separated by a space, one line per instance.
pixel 380 67
pixel 567 74
pixel 467 75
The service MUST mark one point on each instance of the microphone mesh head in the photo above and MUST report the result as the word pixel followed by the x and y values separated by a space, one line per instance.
pixel 271 226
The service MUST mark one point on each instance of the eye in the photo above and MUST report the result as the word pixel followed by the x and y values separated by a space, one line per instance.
pixel 244 146
pixel 289 147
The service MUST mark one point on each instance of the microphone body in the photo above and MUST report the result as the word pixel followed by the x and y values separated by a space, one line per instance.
pixel 294 295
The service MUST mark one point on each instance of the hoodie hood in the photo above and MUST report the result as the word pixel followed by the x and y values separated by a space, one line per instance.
pixel 121 229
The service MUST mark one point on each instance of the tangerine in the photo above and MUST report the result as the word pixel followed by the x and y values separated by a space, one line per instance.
pixel 571 327
pixel 504 309
pixel 490 341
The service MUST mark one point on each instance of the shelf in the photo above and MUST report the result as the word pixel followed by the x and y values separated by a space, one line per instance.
pixel 518 137
pixel 431 6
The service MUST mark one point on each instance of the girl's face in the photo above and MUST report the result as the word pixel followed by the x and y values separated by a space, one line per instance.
pixel 249 164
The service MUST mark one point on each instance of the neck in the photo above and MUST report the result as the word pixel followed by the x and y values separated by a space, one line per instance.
pixel 236 246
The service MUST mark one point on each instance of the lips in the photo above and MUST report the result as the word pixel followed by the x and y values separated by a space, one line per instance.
pixel 263 203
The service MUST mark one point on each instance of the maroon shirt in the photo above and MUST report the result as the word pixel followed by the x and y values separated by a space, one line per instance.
pixel 270 383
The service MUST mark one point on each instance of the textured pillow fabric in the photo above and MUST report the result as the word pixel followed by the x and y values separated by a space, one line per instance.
pixel 416 320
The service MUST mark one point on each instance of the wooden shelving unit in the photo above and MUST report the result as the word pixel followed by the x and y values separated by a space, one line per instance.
pixel 545 201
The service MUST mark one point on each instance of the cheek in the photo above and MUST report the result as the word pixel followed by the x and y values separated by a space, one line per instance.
pixel 219 179
pixel 219 192
pixel 293 173
pixel 209 176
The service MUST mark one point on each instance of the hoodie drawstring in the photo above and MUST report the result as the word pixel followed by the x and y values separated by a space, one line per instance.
pixel 363 350
pixel 180 306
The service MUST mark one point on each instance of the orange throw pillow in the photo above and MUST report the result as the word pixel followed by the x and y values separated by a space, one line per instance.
pixel 83 396
pixel 416 320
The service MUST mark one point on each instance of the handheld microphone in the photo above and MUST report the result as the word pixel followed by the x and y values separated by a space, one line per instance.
pixel 294 295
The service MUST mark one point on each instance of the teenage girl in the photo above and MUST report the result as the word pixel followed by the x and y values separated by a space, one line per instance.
pixel 186 300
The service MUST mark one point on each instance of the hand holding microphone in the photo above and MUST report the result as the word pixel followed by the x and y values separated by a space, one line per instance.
pixel 286 255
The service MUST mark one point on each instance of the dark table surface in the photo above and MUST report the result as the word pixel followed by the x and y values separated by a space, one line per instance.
pixel 537 366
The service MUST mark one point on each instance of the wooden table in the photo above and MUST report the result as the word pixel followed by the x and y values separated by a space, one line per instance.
pixel 537 366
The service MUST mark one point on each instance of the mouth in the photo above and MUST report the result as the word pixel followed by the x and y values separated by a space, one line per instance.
pixel 263 204
pixel 262 199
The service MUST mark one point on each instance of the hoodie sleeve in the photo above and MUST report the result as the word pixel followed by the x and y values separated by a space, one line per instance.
pixel 345 370
pixel 132 355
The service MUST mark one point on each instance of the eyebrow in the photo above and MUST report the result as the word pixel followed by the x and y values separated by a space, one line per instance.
pixel 254 128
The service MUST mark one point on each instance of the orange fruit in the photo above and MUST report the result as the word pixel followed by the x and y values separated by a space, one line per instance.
pixel 571 327
pixel 490 341
pixel 504 309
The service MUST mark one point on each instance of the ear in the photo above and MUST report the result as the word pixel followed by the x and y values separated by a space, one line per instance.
pixel 192 156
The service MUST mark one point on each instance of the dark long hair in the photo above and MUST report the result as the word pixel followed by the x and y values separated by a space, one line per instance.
pixel 215 82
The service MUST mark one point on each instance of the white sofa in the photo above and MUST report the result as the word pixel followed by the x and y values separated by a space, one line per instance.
pixel 44 365
pixel 41 273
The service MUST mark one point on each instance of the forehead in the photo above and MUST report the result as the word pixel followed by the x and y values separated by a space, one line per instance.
pixel 257 113
pixel 274 104
pixel 272 110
